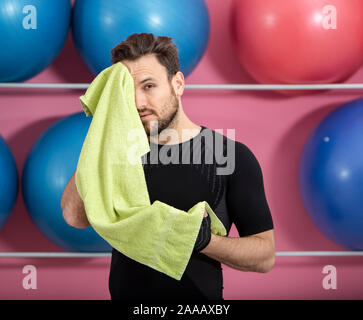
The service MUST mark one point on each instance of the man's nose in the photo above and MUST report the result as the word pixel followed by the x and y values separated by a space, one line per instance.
pixel 140 100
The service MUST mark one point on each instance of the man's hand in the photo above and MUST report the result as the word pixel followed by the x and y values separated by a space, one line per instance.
pixel 204 235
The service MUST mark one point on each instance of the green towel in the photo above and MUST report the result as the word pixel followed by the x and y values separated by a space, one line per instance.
pixel 111 182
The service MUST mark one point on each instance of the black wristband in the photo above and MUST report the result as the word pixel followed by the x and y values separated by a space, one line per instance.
pixel 204 235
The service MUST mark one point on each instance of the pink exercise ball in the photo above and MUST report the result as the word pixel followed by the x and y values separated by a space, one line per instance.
pixel 298 41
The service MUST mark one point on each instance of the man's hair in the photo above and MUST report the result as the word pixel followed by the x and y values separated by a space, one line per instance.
pixel 141 44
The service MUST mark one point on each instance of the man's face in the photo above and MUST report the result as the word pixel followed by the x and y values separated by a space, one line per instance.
pixel 155 97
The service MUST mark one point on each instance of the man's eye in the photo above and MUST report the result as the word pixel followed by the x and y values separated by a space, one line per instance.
pixel 149 86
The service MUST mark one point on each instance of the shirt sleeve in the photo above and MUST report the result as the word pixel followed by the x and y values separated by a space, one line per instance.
pixel 246 199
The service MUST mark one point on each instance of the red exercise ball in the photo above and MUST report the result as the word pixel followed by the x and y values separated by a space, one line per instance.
pixel 298 41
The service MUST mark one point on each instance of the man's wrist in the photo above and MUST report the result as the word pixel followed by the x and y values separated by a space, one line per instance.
pixel 210 244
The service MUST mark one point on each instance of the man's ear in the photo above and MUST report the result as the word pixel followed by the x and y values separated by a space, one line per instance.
pixel 178 83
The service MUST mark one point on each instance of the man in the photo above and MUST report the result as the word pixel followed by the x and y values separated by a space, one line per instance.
pixel 234 189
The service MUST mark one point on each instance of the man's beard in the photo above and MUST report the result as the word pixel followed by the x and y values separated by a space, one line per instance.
pixel 157 126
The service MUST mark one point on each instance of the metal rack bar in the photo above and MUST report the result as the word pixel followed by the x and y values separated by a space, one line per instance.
pixel 78 86
pixel 319 253
pixel 108 254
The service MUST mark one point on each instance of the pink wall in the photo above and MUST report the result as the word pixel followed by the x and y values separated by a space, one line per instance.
pixel 274 127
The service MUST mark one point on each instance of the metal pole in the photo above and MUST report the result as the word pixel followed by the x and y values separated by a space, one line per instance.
pixel 319 253
pixel 78 86
pixel 108 254
pixel 54 254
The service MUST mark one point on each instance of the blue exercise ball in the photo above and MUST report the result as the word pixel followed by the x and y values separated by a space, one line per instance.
pixel 32 34
pixel 331 175
pixel 8 182
pixel 51 163
pixel 98 26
